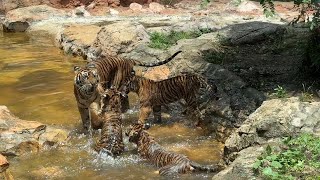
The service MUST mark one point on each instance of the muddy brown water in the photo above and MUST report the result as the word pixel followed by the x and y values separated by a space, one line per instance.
pixel 36 84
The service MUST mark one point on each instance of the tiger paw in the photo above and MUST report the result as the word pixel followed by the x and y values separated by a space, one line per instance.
pixel 156 172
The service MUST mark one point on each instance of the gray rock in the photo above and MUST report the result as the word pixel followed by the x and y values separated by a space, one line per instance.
pixel 123 39
pixel 275 118
pixel 18 137
pixel 19 20
pixel 241 168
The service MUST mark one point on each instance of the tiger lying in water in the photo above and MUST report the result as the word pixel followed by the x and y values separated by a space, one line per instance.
pixel 153 94
pixel 111 132
pixel 99 75
pixel 170 163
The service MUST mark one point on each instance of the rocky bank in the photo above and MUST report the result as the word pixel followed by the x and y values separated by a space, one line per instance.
pixel 19 137
pixel 243 54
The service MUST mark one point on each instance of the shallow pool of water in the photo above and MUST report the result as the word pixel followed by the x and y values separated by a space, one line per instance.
pixel 36 84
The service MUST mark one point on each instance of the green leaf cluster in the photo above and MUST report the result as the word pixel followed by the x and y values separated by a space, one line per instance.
pixel 280 92
pixel 164 41
pixel 299 158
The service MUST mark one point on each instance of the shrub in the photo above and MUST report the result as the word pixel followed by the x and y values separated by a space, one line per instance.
pixel 164 41
pixel 299 158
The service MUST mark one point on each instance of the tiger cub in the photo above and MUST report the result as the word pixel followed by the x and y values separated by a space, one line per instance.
pixel 170 163
pixel 111 132
pixel 100 75
pixel 153 94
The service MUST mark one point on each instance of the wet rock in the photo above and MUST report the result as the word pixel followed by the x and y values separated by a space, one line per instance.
pixel 77 39
pixel 19 20
pixel 4 164
pixel 18 137
pixel 135 7
pixel 125 38
pixel 156 7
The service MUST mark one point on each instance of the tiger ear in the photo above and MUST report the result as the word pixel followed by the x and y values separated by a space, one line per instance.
pixel 76 69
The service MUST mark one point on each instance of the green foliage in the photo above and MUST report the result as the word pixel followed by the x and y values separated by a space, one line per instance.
pixel 306 94
pixel 236 2
pixel 204 3
pixel 297 159
pixel 307 8
pixel 268 7
pixel 164 41
pixel 169 2
pixel 280 92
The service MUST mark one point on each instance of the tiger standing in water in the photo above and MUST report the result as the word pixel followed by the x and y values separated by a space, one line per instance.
pixel 154 94
pixel 170 163
pixel 102 74
pixel 111 133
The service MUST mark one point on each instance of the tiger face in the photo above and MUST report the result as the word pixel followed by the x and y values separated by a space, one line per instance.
pixel 86 80
pixel 112 100
pixel 133 131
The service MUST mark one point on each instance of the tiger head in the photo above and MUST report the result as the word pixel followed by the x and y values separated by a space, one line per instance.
pixel 131 83
pixel 86 79
pixel 134 131
pixel 112 100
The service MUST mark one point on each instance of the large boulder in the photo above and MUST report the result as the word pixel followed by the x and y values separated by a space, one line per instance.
pixel 18 137
pixel 273 120
pixel 122 39
pixel 19 20
pixel 77 39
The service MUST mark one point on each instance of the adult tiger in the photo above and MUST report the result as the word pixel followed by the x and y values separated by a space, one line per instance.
pixel 153 94
pixel 111 133
pixel 99 75
pixel 170 163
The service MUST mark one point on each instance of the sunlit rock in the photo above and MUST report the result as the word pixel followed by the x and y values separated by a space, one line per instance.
pixel 275 119
pixel 18 137
pixel 122 39
pixel 19 20
pixel 4 164
pixel 135 7
pixel 77 39
pixel 156 7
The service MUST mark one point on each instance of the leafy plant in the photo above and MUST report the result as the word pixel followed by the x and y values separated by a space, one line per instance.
pixel 204 3
pixel 164 41
pixel 306 94
pixel 297 156
pixel 307 9
pixel 280 92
